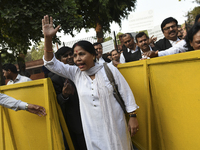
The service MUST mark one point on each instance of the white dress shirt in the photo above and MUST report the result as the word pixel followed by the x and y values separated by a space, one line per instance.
pixel 90 107
pixel 19 79
pixel 122 58
pixel 174 42
pixel 10 102
pixel 100 61
pixel 177 48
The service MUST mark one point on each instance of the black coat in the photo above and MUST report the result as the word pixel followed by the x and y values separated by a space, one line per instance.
pixel 70 107
pixel 132 56
pixel 162 44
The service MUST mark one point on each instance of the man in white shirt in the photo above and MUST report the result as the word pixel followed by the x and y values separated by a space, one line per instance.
pixel 99 50
pixel 10 102
pixel 131 53
pixel 10 72
pixel 169 28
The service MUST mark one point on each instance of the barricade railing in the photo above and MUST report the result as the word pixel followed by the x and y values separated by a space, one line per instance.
pixel 22 130
pixel 165 88
pixel 167 91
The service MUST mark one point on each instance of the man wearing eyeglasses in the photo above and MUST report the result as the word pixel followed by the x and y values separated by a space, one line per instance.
pixel 169 28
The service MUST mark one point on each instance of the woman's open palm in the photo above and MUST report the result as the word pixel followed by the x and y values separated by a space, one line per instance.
pixel 47 27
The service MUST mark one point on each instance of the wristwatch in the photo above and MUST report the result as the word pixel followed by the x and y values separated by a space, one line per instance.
pixel 133 115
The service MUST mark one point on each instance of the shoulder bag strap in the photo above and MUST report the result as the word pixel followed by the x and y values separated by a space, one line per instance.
pixel 115 89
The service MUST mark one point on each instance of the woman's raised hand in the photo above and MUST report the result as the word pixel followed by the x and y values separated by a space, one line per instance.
pixel 47 27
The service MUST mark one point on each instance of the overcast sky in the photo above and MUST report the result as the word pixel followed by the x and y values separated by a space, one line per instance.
pixel 162 9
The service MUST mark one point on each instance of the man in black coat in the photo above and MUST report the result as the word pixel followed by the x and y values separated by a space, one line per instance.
pixel 68 100
pixel 169 28
pixel 132 53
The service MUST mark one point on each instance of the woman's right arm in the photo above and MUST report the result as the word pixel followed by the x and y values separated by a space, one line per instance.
pixel 50 62
pixel 49 32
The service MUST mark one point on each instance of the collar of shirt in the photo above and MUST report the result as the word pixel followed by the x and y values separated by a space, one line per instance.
pixel 133 51
pixel 17 78
pixel 174 42
pixel 101 60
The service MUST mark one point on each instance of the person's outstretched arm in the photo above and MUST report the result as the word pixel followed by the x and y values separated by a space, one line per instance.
pixel 12 103
pixel 49 32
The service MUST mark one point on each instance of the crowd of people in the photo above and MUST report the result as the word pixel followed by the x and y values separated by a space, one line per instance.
pixel 94 116
pixel 176 40
pixel 103 124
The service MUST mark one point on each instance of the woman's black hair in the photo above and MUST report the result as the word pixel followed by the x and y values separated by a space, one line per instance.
pixel 190 35
pixel 197 18
pixel 87 46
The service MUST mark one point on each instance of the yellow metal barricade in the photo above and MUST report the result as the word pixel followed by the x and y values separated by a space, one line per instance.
pixel 165 88
pixel 167 91
pixel 22 130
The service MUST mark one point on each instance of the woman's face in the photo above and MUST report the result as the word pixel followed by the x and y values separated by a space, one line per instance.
pixel 196 41
pixel 83 59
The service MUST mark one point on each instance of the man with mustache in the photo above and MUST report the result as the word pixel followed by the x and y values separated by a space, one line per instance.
pixel 169 28
pixel 142 41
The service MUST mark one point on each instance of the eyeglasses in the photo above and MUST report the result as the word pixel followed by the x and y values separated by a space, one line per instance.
pixel 167 28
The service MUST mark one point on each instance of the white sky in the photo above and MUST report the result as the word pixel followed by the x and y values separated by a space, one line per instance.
pixel 162 9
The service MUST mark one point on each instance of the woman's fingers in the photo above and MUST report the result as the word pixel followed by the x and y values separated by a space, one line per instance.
pixel 51 21
pixel 46 19
pixel 57 28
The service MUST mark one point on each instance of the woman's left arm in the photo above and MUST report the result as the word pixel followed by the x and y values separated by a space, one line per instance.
pixel 133 125
pixel 124 90
pixel 128 99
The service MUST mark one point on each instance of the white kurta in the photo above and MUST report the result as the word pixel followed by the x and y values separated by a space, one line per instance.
pixel 92 119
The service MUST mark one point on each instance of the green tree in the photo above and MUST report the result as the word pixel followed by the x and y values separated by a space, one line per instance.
pixel 37 52
pixel 20 21
pixel 107 39
pixel 99 14
pixel 191 15
pixel 117 37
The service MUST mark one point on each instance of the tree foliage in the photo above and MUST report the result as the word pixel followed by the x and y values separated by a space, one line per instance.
pixel 107 39
pixel 191 15
pixel 20 21
pixel 37 52
pixel 99 14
